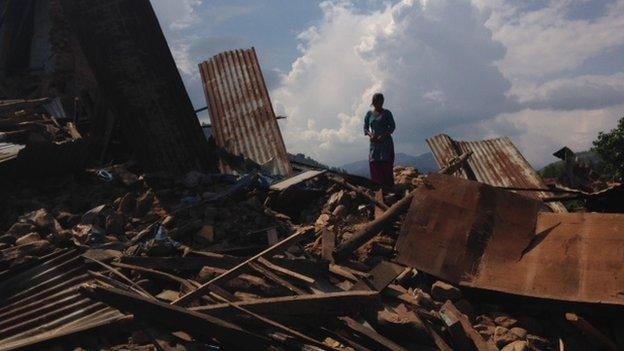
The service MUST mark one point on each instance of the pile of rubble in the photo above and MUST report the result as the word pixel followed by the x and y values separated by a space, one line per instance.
pixel 125 225
pixel 209 261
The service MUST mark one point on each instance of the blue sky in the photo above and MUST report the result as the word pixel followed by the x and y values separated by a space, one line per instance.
pixel 545 73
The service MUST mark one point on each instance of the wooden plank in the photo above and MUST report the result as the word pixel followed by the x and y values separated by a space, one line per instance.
pixel 177 317
pixel 593 333
pixel 378 209
pixel 186 263
pixel 379 277
pixel 455 329
pixel 272 238
pixel 276 279
pixel 158 274
pixel 299 178
pixel 277 248
pixel 358 190
pixel 451 313
pixel 328 304
pixel 382 342
pixel 298 276
pixel 298 335
pixel 372 228
pixel 328 243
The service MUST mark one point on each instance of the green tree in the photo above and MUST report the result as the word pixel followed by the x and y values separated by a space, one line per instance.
pixel 610 147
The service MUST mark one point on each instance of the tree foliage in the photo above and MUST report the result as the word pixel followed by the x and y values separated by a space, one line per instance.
pixel 610 147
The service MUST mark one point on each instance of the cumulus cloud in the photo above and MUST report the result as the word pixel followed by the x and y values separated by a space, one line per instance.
pixel 538 133
pixel 434 61
pixel 555 37
pixel 587 92
pixel 175 15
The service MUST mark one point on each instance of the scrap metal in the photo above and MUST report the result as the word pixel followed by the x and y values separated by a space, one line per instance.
pixel 495 162
pixel 478 236
pixel 240 110
pixel 42 302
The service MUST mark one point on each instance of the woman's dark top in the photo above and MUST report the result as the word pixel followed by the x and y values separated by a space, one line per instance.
pixel 383 149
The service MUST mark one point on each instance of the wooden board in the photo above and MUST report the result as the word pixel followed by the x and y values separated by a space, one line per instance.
pixel 475 235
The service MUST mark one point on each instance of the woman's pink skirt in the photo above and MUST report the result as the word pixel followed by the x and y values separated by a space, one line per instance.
pixel 381 172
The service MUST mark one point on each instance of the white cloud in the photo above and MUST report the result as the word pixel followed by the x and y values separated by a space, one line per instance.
pixel 547 41
pixel 176 15
pixel 539 133
pixel 434 61
pixel 587 92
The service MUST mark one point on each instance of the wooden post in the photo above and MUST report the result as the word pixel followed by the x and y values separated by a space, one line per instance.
pixel 371 228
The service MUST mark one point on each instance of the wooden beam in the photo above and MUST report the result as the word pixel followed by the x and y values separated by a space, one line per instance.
pixel 450 313
pixel 379 197
pixel 382 342
pixel 186 263
pixel 158 274
pixel 456 164
pixel 176 317
pixel 372 228
pixel 276 279
pixel 301 177
pixel 328 243
pixel 277 248
pixel 287 272
pixel 365 194
pixel 379 277
pixel 302 337
pixel 328 304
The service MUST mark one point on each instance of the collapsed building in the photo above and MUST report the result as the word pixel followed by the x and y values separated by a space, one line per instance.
pixel 122 228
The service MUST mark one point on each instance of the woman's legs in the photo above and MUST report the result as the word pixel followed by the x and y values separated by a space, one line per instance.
pixel 381 173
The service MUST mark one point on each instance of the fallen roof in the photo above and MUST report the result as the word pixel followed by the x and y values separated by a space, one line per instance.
pixel 478 236
pixel 240 109
pixel 495 162
pixel 43 302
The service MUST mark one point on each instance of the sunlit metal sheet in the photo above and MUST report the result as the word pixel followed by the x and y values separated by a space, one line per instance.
pixel 41 302
pixel 475 235
pixel 495 161
pixel 240 109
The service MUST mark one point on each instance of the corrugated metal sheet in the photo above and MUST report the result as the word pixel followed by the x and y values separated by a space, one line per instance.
pixel 240 109
pixel 478 236
pixel 496 162
pixel 43 302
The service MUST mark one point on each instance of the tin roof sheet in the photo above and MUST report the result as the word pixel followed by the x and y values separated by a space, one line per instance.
pixel 240 109
pixel 478 236
pixel 42 302
pixel 495 161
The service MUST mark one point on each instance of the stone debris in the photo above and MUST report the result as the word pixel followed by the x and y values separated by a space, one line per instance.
pixel 123 228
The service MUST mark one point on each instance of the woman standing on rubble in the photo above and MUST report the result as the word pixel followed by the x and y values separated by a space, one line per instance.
pixel 379 126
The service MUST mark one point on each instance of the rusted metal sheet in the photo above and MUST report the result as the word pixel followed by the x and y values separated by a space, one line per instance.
pixel 495 162
pixel 135 71
pixel 475 235
pixel 42 302
pixel 240 109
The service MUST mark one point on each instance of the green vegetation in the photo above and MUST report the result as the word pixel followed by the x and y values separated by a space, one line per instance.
pixel 610 147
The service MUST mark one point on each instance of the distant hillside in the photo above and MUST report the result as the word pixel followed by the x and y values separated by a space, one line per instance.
pixel 556 169
pixel 307 160
pixel 425 163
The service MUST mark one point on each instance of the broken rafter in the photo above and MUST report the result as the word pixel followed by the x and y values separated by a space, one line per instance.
pixel 371 228
pixel 177 317
pixel 277 248
pixel 330 304
pixel 349 186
